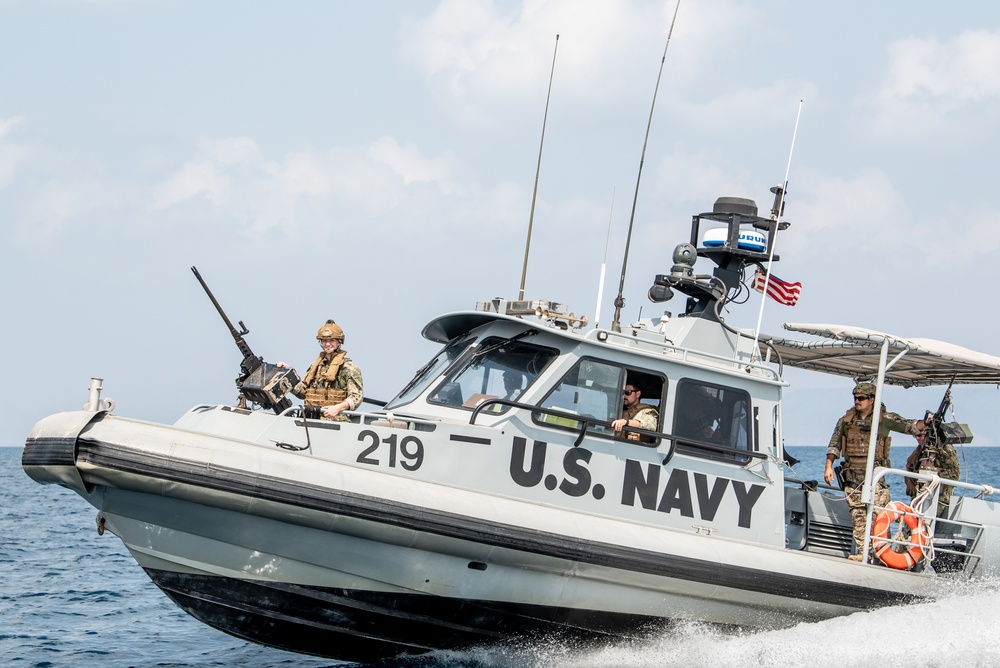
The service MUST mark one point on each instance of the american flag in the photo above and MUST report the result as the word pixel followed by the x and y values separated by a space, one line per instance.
pixel 777 289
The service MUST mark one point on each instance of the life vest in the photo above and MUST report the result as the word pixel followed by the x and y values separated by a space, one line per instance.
pixel 854 444
pixel 630 413
pixel 321 381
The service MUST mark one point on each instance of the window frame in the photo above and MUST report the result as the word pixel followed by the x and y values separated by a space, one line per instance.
pixel 627 375
pixel 461 365
pixel 722 452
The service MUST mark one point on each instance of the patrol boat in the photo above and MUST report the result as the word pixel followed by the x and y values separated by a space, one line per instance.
pixel 469 510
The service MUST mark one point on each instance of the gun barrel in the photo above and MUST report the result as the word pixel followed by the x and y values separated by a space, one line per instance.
pixel 218 307
pixel 237 334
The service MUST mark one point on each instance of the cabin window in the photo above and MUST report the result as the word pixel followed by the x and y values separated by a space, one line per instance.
pixel 497 368
pixel 594 389
pixel 711 420
pixel 428 372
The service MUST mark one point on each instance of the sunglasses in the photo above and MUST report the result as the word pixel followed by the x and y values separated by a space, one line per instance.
pixel 861 397
pixel 628 393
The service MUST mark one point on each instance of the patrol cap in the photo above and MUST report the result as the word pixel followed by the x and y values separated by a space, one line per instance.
pixel 867 389
pixel 330 330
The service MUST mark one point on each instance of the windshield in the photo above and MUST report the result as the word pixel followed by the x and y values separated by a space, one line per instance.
pixel 499 369
pixel 429 372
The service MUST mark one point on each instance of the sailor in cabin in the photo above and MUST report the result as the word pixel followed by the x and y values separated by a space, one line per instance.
pixel 635 413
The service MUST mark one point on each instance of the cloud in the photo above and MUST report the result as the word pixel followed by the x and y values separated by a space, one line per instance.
pixel 60 202
pixel 210 173
pixel 235 178
pixel 411 165
pixel 7 124
pixel 867 214
pixel 938 90
pixel 483 60
pixel 742 108
pixel 55 189
pixel 965 70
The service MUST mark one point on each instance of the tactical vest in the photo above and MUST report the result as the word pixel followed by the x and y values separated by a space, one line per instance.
pixel 854 444
pixel 321 381
pixel 629 413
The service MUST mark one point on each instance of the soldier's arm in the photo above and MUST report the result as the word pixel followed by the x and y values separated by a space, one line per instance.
pixel 833 449
pixel 355 387
pixel 895 422
pixel 647 419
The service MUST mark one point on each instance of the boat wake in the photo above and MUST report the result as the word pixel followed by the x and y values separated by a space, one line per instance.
pixel 961 629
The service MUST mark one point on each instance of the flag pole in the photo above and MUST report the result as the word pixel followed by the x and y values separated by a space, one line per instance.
pixel 776 212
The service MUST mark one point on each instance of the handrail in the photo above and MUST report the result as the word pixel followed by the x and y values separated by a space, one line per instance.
pixel 929 517
pixel 688 353
pixel 295 411
pixel 586 422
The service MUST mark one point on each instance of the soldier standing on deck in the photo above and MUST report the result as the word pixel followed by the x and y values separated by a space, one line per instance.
pixel 333 381
pixel 851 439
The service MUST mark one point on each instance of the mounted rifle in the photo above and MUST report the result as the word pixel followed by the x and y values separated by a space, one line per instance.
pixel 259 382
pixel 940 432
pixel 932 456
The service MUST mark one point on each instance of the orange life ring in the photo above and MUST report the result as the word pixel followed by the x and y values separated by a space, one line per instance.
pixel 897 511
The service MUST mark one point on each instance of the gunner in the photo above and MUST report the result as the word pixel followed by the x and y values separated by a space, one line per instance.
pixel 635 413
pixel 851 438
pixel 333 382
pixel 941 458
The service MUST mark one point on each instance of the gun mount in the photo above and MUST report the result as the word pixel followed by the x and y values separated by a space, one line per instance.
pixel 259 382
pixel 941 432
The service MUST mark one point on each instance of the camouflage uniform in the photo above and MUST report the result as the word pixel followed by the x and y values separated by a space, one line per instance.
pixel 944 459
pixel 331 380
pixel 850 439
pixel 644 414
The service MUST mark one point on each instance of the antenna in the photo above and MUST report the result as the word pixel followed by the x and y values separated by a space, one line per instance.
pixel 620 299
pixel 538 168
pixel 776 211
pixel 604 264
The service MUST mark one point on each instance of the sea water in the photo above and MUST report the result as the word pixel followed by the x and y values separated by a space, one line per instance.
pixel 69 597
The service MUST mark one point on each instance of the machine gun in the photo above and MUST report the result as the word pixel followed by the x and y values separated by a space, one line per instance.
pixel 259 382
pixel 936 453
pixel 941 432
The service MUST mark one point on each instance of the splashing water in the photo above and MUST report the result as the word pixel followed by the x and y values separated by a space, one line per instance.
pixel 962 629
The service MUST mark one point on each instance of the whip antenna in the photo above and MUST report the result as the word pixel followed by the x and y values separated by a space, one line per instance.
pixel 604 264
pixel 620 299
pixel 779 208
pixel 538 168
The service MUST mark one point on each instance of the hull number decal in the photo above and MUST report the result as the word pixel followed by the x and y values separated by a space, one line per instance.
pixel 683 491
pixel 407 452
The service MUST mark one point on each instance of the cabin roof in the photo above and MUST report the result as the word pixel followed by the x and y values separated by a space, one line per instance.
pixel 446 327
pixel 854 351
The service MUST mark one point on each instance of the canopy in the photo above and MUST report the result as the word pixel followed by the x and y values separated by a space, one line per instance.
pixel 854 351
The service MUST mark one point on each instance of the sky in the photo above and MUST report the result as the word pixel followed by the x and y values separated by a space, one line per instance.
pixel 375 163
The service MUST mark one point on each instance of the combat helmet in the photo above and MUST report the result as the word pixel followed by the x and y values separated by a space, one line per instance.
pixel 866 388
pixel 330 330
